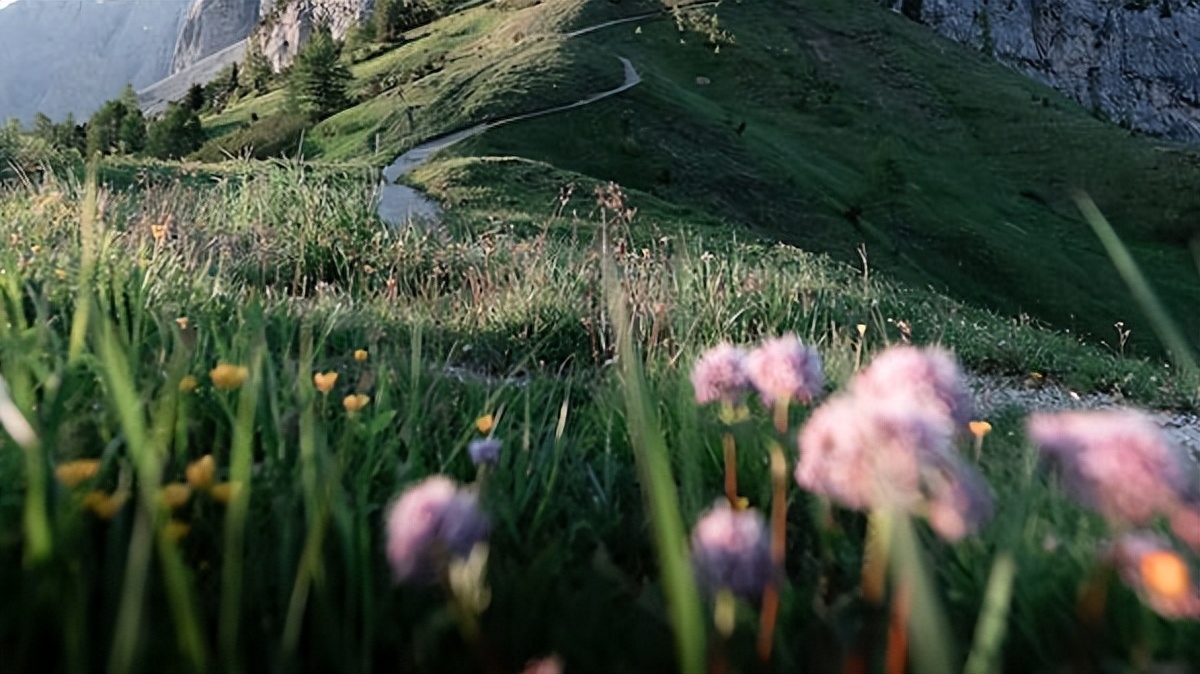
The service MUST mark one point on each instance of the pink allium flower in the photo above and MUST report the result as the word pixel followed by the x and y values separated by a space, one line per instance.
pixel 720 375
pixel 484 451
pixel 961 506
pixel 1116 462
pixel 864 455
pixel 784 369
pixel 1185 523
pixel 929 375
pixel 551 664
pixel 431 522
pixel 896 453
pixel 731 550
pixel 1150 566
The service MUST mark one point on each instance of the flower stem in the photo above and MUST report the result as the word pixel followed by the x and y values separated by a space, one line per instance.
pixel 731 481
pixel 770 609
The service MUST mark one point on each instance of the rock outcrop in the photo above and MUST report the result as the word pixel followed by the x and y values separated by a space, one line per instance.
pixel 286 28
pixel 214 25
pixel 1137 62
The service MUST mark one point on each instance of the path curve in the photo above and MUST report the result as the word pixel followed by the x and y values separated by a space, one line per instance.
pixel 401 204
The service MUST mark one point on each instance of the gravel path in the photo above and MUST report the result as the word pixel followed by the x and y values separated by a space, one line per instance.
pixel 993 394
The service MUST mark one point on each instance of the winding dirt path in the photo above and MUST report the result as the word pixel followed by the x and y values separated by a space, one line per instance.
pixel 401 204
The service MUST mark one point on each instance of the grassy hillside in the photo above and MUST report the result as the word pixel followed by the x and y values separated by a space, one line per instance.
pixel 217 379
pixel 285 270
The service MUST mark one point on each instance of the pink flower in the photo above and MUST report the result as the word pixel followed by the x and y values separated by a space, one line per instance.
pixel 720 375
pixel 961 506
pixel 731 550
pixel 784 369
pixel 431 522
pixel 892 452
pixel 1185 523
pixel 1116 462
pixel 865 455
pixel 930 376
pixel 1149 566
pixel 551 664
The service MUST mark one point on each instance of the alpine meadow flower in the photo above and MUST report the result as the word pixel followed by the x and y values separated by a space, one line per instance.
pixel 1185 524
pixel 324 381
pixel 228 377
pixel 430 523
pixel 731 551
pixel 74 473
pixel 784 369
pixel 892 453
pixel 720 375
pixel 484 451
pixel 1116 462
pixel 930 376
pixel 201 472
pixel 355 402
pixel 1150 567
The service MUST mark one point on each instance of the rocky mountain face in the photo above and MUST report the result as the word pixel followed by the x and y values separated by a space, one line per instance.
pixel 286 28
pixel 213 25
pixel 69 56
pixel 1135 61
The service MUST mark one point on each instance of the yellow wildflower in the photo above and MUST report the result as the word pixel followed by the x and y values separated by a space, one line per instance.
pixel 159 232
pixel 354 403
pixel 175 495
pixel 60 274
pixel 176 530
pixel 228 377
pixel 188 384
pixel 182 322
pixel 225 492
pixel 200 473
pixel 361 355
pixel 980 428
pixel 485 423
pixel 325 381
pixel 103 504
pixel 74 473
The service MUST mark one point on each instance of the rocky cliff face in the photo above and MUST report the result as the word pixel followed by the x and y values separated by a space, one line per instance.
pixel 1138 61
pixel 70 56
pixel 213 25
pixel 286 28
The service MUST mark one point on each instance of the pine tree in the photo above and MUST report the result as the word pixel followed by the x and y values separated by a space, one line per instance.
pixel 318 83
pixel 177 134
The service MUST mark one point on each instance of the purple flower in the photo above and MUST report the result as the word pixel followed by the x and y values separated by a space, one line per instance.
pixel 896 453
pixel 484 451
pixel 1116 462
pixel 720 375
pixel 731 550
pixel 784 369
pixel 928 375
pixel 431 522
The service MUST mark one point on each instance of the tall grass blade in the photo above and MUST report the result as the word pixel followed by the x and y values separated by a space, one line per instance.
pixel 235 517
pixel 931 636
pixel 1168 332
pixel 658 487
